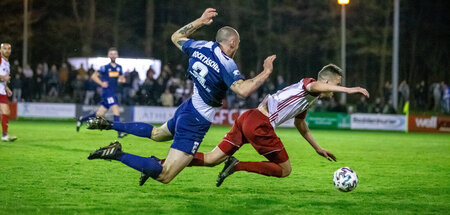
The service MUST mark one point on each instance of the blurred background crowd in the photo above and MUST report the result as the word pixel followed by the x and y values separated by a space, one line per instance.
pixel 305 35
pixel 65 83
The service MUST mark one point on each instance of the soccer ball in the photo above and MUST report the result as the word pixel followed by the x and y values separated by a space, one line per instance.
pixel 345 179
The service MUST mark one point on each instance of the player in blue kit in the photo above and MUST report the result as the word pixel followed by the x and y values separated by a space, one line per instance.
pixel 213 71
pixel 108 76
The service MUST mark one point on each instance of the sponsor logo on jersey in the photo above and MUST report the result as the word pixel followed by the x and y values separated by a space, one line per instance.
pixel 206 60
pixel 113 74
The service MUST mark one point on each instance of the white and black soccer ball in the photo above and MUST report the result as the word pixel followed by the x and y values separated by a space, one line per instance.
pixel 345 179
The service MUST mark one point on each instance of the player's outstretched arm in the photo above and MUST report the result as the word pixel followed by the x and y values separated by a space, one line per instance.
pixel 245 88
pixel 8 91
pixel 181 35
pixel 96 78
pixel 319 87
pixel 302 127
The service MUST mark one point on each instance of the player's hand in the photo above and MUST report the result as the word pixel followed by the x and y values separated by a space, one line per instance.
pixel 207 16
pixel 358 90
pixel 326 154
pixel 104 84
pixel 268 63
pixel 9 92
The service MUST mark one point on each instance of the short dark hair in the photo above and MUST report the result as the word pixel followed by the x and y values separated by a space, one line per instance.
pixel 328 70
pixel 113 49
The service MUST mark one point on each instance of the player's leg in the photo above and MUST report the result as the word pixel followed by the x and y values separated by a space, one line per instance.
pixel 189 128
pixel 232 141
pixel 140 129
pixel 260 133
pixel 286 167
pixel 101 111
pixel 175 162
pixel 161 133
pixel 210 159
pixel 4 108
pixel 267 168
pixel 213 158
pixel 151 166
pixel 116 113
pixel 257 130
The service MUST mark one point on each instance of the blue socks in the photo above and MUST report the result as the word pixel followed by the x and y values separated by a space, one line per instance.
pixel 85 118
pixel 117 119
pixel 139 129
pixel 150 166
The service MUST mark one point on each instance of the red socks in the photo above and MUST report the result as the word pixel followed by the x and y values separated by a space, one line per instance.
pixel 264 168
pixel 5 120
pixel 198 160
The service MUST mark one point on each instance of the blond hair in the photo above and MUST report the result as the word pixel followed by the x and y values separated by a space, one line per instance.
pixel 329 70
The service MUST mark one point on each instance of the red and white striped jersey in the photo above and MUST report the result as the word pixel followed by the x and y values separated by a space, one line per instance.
pixel 292 101
pixel 4 70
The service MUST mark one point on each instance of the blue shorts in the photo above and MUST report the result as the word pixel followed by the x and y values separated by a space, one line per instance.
pixel 108 101
pixel 188 128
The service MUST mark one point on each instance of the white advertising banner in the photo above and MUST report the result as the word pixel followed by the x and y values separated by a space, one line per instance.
pixel 378 122
pixel 45 110
pixel 128 64
pixel 225 116
pixel 153 114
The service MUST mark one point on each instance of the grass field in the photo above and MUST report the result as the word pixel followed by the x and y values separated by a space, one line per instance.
pixel 47 172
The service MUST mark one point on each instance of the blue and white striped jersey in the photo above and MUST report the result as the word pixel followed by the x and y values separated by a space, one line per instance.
pixel 212 71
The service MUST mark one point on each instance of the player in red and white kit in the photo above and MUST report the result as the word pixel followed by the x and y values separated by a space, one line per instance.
pixel 256 126
pixel 5 92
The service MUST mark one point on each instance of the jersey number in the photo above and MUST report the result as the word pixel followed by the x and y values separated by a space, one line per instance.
pixel 199 72
pixel 198 66
pixel 110 100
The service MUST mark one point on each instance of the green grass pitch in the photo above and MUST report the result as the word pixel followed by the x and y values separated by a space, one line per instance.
pixel 46 171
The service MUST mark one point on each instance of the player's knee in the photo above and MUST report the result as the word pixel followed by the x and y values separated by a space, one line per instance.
pixel 159 135
pixel 156 135
pixel 286 171
pixel 165 179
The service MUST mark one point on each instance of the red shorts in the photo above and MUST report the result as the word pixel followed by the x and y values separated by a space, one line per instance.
pixel 4 99
pixel 254 127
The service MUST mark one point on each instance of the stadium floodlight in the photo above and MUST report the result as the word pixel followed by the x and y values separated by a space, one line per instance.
pixel 343 3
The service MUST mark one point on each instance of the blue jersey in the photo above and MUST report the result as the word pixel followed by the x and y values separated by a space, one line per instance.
pixel 212 71
pixel 110 74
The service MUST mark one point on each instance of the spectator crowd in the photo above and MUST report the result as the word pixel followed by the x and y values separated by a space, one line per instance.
pixel 68 84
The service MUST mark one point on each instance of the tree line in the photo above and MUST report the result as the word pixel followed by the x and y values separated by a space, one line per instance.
pixel 305 35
